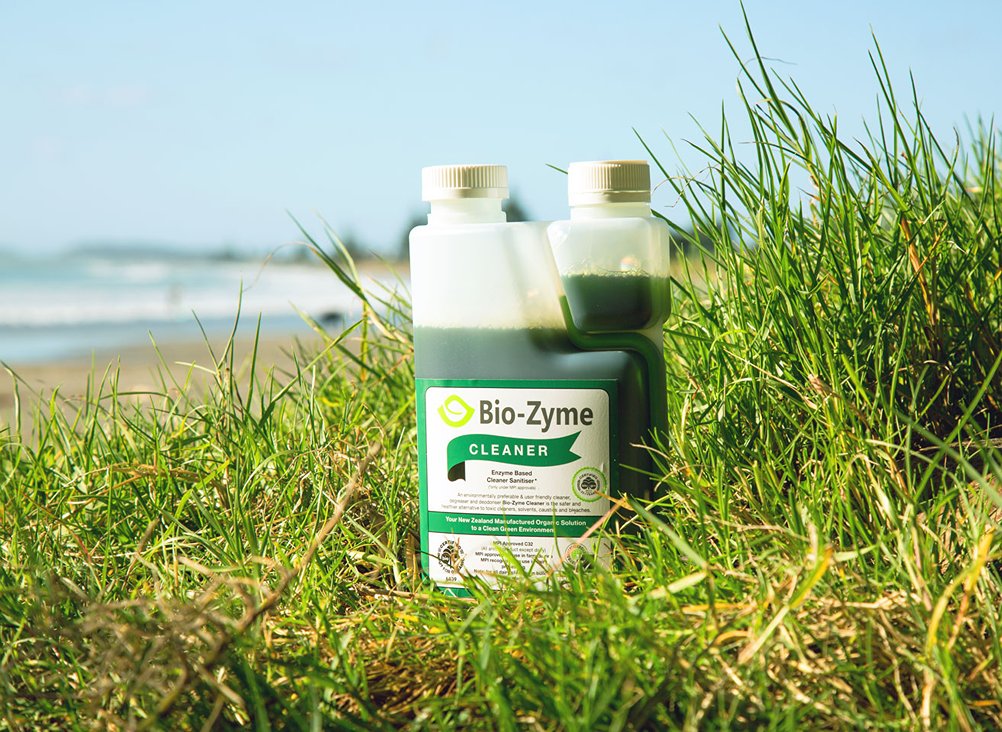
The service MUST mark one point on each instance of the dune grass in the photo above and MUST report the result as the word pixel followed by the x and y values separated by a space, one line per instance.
pixel 823 551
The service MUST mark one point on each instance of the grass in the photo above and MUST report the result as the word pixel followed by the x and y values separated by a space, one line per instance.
pixel 823 552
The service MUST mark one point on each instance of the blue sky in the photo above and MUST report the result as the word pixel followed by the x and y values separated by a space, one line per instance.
pixel 209 123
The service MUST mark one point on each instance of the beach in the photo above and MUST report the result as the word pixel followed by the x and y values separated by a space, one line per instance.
pixel 142 316
pixel 140 370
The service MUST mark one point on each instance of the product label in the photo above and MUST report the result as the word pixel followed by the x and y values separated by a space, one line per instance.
pixel 511 470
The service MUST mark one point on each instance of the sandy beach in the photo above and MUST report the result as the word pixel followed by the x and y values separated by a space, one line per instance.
pixel 138 370
pixel 68 326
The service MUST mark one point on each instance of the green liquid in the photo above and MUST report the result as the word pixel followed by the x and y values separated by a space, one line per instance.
pixel 616 302
pixel 537 353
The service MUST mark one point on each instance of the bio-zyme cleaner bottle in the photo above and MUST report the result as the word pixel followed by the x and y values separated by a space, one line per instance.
pixel 527 424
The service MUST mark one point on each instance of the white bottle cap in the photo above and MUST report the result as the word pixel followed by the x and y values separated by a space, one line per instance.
pixel 608 181
pixel 441 182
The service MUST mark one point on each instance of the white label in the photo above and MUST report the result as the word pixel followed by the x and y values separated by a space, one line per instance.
pixel 526 467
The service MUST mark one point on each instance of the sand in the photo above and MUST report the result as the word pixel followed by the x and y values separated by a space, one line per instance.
pixel 137 368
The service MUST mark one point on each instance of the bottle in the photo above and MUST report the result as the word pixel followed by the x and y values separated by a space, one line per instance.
pixel 522 434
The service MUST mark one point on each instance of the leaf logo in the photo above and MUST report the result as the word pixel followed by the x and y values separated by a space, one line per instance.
pixel 455 412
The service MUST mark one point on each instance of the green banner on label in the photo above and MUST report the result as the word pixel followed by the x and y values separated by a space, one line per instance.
pixel 512 450
pixel 501 525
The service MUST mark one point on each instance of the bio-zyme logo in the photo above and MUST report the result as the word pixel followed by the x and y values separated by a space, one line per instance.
pixel 455 412
pixel 535 414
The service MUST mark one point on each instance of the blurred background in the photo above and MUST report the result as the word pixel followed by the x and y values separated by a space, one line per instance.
pixel 153 157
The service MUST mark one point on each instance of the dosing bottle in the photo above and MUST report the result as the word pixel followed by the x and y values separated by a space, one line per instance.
pixel 527 423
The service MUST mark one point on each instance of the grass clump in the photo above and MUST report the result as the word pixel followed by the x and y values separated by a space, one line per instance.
pixel 824 550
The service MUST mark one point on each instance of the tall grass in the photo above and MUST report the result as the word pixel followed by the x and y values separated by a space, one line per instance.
pixel 823 550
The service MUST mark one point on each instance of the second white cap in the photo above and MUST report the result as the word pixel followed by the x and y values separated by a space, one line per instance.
pixel 441 182
pixel 608 181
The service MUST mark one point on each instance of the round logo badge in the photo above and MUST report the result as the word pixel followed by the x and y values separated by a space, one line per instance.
pixel 451 556
pixel 588 484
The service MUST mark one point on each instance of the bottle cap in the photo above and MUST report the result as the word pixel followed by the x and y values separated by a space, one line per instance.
pixel 464 181
pixel 608 181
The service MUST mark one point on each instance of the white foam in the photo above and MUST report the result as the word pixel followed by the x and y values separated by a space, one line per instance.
pixel 103 292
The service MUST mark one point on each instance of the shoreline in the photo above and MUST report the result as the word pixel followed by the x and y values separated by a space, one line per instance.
pixel 136 360
pixel 136 367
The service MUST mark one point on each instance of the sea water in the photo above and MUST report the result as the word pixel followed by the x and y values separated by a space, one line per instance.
pixel 72 305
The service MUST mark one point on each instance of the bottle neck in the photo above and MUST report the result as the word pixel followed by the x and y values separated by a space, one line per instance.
pixel 611 211
pixel 466 211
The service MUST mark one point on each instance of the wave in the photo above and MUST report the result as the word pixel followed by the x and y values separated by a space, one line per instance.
pixel 102 292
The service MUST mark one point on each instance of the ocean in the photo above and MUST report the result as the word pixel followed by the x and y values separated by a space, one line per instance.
pixel 68 306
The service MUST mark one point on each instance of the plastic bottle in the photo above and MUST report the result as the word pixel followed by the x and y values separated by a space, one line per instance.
pixel 523 436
